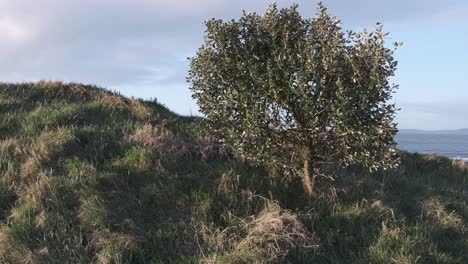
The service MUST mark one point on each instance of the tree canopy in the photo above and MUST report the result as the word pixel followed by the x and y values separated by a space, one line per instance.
pixel 298 93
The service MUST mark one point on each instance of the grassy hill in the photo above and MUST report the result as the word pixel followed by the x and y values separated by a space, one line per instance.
pixel 88 176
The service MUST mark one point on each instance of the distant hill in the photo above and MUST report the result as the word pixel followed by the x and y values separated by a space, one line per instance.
pixel 90 176
pixel 454 131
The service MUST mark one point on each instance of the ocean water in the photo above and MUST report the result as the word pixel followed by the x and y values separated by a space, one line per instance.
pixel 449 145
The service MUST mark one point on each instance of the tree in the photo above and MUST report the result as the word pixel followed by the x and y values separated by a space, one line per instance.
pixel 298 93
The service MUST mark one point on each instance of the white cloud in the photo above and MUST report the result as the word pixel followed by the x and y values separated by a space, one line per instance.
pixel 185 8
pixel 433 115
pixel 143 43
pixel 13 32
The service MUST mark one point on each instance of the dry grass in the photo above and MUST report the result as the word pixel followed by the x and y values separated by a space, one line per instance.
pixel 47 148
pixel 156 139
pixel 435 209
pixel 159 140
pixel 64 90
pixel 138 110
pixel 110 246
pixel 269 237
pixel 12 148
pixel 461 165
pixel 133 106
pixel 110 101
pixel 274 233
pixel 51 144
pixel 210 147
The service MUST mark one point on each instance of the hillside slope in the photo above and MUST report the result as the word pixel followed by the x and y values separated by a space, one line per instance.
pixel 88 176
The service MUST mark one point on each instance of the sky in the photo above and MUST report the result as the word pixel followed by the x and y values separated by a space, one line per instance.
pixel 140 47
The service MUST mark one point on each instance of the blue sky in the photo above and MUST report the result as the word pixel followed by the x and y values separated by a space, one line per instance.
pixel 139 47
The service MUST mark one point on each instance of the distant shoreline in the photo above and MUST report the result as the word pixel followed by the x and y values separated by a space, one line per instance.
pixel 452 144
pixel 465 159
pixel 460 131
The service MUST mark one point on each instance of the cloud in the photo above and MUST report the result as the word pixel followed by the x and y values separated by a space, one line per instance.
pixel 459 15
pixel 80 40
pixel 142 43
pixel 13 31
pixel 433 115
pixel 361 12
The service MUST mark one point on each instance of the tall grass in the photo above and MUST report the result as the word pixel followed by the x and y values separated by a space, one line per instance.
pixel 89 176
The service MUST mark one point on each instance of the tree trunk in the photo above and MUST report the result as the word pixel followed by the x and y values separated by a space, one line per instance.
pixel 308 179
